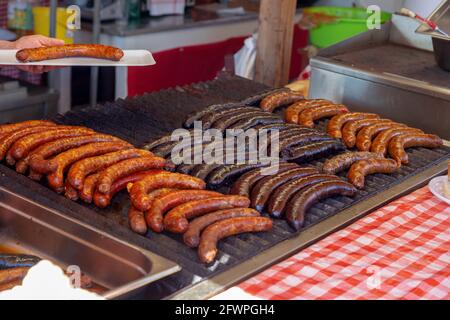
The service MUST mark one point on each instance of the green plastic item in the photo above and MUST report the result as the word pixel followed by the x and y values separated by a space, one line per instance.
pixel 350 22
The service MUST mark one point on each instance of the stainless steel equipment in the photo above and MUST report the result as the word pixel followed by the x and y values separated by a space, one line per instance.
pixel 117 266
pixel 20 101
pixel 441 43
pixel 390 71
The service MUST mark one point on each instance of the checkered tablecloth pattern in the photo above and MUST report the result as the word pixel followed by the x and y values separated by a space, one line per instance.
pixel 401 251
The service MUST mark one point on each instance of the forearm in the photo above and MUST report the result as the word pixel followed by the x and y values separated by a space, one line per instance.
pixel 6 45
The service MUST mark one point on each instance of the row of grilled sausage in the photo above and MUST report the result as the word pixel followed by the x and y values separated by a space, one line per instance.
pixel 291 192
pixel 180 204
pixel 76 161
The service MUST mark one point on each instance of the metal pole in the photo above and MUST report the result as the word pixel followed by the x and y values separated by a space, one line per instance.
pixel 53 7
pixel 95 39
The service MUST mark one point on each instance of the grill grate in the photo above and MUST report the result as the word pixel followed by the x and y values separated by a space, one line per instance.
pixel 147 117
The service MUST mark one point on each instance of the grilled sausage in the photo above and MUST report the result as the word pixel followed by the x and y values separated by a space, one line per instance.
pixel 248 123
pixel 176 220
pixel 212 118
pixel 196 116
pixel 192 235
pixel 8 261
pixel 22 148
pixel 304 138
pixel 302 201
pixel 103 200
pixel 307 117
pixel 9 275
pixel 90 183
pixel 162 204
pixel 80 170
pixel 293 111
pixel 365 135
pixel 136 221
pixel 58 165
pixel 312 151
pixel 161 141
pixel 381 142
pixel 70 192
pixel 279 99
pixel 8 128
pixel 351 129
pixel 335 124
pixel 8 139
pixel 282 195
pixel 256 99
pixel 280 126
pixel 399 143
pixel 265 187
pixel 227 172
pixel 139 190
pixel 69 50
pixel 51 149
pixel 202 171
pixel 344 161
pixel 207 250
pixel 225 123
pixel 245 183
pixel 360 169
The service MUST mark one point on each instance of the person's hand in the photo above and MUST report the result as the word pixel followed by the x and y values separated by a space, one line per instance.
pixel 36 41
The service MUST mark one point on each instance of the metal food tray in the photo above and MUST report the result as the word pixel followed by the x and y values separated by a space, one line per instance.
pixel 112 264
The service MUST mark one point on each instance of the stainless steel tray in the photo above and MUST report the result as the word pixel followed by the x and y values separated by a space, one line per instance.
pixel 118 267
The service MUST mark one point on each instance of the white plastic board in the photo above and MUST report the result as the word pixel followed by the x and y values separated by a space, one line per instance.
pixel 130 58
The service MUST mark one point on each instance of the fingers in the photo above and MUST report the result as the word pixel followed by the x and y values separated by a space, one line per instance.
pixel 46 41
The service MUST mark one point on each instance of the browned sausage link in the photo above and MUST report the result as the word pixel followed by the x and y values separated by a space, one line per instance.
pixel 58 165
pixel 282 195
pixel 8 139
pixel 305 199
pixel 308 116
pixel 343 161
pixel 38 157
pixel 7 128
pixel 351 129
pixel 21 148
pixel 103 200
pixel 335 124
pixel 127 167
pixel 245 183
pixel 264 188
pixel 365 135
pixel 139 191
pixel 381 142
pixel 192 235
pixel 162 204
pixel 292 112
pixel 69 50
pixel 176 220
pixel 279 99
pixel 207 250
pixel 9 275
pixel 399 143
pixel 80 170
pixel 87 194
pixel 360 169
pixel 137 221
pixel 10 285
pixel 70 192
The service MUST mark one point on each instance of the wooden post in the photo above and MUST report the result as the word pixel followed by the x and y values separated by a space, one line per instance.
pixel 274 48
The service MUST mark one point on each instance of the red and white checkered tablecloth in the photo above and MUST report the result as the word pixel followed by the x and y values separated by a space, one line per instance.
pixel 401 251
